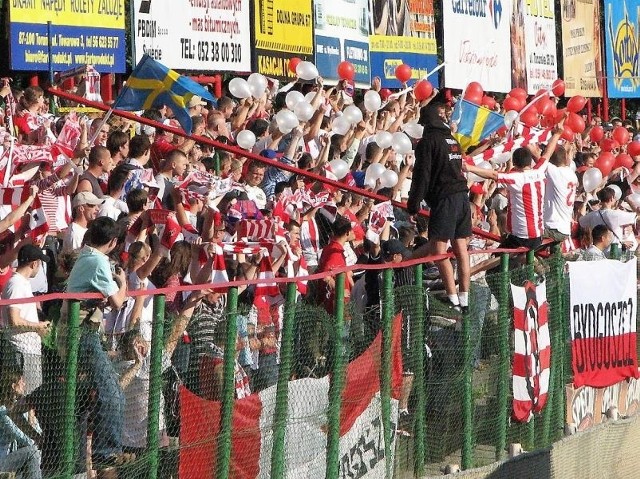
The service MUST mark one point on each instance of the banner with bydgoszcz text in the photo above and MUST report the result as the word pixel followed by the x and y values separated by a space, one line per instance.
pixel 602 317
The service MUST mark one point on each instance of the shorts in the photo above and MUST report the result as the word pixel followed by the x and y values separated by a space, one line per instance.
pixel 554 234
pixel 450 218
pixel 515 242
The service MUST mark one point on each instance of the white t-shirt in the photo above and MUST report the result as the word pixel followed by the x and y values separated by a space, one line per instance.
pixel 257 195
pixel 526 195
pixel 146 316
pixel 559 197
pixel 613 219
pixel 113 208
pixel 73 236
pixel 16 288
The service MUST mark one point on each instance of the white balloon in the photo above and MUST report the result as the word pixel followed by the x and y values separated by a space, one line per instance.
pixel 389 179
pixel 485 165
pixel 239 88
pixel 401 143
pixel 374 171
pixel 413 129
pixel 307 71
pixel 293 98
pixel 246 139
pixel 257 84
pixel 284 130
pixel 341 125
pixel 369 183
pixel 304 111
pixel 287 119
pixel 474 178
pixel 633 199
pixel 383 139
pixel 510 117
pixel 616 190
pixel 591 179
pixel 372 100
pixel 502 158
pixel 353 114
pixel 340 168
pixel 310 96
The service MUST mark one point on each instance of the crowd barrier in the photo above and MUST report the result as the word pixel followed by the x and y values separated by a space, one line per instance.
pixel 337 390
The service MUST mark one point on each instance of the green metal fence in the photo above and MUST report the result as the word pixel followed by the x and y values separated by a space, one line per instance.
pixel 459 402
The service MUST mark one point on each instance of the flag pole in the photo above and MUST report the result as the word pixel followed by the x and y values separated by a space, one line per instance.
pixel 96 132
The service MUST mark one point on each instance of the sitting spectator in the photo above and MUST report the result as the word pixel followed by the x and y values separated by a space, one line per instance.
pixel 602 237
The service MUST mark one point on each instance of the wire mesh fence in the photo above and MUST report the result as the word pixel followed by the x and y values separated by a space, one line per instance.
pixel 399 386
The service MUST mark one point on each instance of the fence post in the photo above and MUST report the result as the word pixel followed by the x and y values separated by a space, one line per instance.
pixel 155 385
pixel 282 392
pixel 385 363
pixel 504 316
pixel 417 325
pixel 69 427
pixel 228 393
pixel 467 395
pixel 336 385
pixel 531 425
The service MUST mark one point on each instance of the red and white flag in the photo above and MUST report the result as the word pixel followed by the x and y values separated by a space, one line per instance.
pixel 13 196
pixel 602 316
pixel 38 225
pixel 362 451
pixel 532 352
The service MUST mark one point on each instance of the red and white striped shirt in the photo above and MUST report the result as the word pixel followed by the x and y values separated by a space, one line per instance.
pixel 526 196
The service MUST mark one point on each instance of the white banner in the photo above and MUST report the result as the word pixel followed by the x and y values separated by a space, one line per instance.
pixel 540 45
pixel 602 319
pixel 208 35
pixel 476 44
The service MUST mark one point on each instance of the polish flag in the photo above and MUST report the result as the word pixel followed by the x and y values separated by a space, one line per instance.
pixel 38 225
pixel 361 425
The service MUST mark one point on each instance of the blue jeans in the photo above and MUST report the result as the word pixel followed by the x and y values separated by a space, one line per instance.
pixel 107 410
pixel 26 460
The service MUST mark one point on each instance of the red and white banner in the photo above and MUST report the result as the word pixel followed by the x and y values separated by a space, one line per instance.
pixel 532 351
pixel 603 322
pixel 362 451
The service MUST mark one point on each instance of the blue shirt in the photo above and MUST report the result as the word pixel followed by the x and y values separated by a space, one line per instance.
pixel 11 436
pixel 92 274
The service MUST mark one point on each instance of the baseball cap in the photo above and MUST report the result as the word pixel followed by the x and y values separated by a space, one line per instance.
pixel 86 198
pixel 195 101
pixel 394 246
pixel 29 253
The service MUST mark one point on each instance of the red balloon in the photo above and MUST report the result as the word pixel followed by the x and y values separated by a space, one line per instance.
pixel 513 103
pixel 624 160
pixel 530 118
pixel 633 148
pixel 558 87
pixel 501 131
pixel 609 144
pixel 547 121
pixel 542 93
pixel 597 134
pixel 384 94
pixel 422 90
pixel 575 122
pixel 519 93
pixel 559 115
pixel 576 103
pixel 293 63
pixel 605 162
pixel 346 71
pixel 489 102
pixel 621 135
pixel 568 134
pixel 546 106
pixel 474 98
pixel 403 72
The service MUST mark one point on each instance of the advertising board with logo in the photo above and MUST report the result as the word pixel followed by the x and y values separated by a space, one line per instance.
pixel 476 44
pixel 342 33
pixel 283 30
pixel 82 33
pixel 581 47
pixel 402 31
pixel 621 18
pixel 197 36
pixel 533 45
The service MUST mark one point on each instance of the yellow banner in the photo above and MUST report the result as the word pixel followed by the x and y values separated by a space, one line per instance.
pixel 284 26
pixel 582 51
pixel 78 13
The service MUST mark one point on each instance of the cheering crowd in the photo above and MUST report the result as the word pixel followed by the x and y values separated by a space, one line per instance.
pixel 112 206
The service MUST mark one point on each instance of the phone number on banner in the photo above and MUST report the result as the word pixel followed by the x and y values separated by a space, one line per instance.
pixel 211 51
